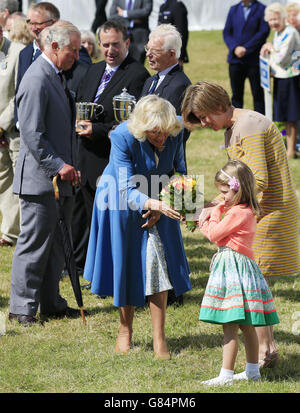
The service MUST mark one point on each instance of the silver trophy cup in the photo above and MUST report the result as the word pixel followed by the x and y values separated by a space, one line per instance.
pixel 87 111
pixel 123 105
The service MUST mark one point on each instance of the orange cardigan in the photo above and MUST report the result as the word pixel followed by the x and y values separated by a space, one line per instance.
pixel 236 230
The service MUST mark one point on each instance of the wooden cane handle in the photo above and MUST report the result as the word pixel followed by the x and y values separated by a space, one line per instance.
pixel 55 186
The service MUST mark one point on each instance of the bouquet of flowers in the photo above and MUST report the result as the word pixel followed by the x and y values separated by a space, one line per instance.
pixel 182 193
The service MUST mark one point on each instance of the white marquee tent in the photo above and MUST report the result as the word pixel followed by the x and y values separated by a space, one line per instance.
pixel 203 14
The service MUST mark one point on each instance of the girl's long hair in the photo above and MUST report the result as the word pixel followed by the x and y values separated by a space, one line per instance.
pixel 246 193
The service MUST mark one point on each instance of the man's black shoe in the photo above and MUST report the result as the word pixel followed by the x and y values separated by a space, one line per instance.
pixel 25 320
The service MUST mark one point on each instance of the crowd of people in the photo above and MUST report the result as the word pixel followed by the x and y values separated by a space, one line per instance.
pixel 47 65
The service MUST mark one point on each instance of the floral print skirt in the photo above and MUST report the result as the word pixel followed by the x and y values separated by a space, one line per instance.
pixel 157 278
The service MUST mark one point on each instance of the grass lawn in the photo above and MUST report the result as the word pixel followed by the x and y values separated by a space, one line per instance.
pixel 65 356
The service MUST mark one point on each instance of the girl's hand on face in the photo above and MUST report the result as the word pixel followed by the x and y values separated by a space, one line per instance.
pixel 204 215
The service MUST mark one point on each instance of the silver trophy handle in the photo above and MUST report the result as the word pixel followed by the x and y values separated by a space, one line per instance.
pixel 99 109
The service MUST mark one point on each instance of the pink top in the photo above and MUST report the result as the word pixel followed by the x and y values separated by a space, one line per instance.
pixel 236 230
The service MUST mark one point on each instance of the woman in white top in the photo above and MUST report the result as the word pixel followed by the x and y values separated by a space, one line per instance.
pixel 284 57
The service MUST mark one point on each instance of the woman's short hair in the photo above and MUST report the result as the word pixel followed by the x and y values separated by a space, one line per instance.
pixel 170 36
pixel 59 32
pixel 88 35
pixel 152 112
pixel 275 8
pixel 292 7
pixel 204 97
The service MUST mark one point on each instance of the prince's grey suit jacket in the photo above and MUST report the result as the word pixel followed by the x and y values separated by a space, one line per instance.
pixel 47 129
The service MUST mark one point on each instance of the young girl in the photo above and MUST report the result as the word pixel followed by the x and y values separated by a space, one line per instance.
pixel 237 295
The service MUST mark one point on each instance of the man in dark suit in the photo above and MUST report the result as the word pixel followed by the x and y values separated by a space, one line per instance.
pixel 244 33
pixel 163 52
pixel 39 16
pixel 174 12
pixel 170 82
pixel 134 14
pixel 102 82
pixel 47 127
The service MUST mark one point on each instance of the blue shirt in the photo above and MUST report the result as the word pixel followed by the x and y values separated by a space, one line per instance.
pixel 246 10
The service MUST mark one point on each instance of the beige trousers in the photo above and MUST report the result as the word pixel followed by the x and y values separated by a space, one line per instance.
pixel 9 203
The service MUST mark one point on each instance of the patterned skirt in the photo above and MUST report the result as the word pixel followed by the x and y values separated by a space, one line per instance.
pixel 157 277
pixel 237 292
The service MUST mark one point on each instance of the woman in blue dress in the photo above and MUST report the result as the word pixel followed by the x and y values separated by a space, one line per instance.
pixel 135 248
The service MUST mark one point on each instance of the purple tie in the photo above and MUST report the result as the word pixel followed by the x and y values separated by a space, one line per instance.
pixel 104 82
pixel 129 5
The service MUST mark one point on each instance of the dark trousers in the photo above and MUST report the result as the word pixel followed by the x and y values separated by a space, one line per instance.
pixel 238 74
pixel 39 256
pixel 81 222
pixel 100 15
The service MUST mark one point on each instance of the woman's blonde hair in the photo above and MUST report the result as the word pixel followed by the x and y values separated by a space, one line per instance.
pixel 206 98
pixel 246 193
pixel 88 35
pixel 152 112
pixel 275 8
pixel 19 31
pixel 293 6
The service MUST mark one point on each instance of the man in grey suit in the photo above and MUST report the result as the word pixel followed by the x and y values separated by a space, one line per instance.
pixel 47 127
pixel 134 14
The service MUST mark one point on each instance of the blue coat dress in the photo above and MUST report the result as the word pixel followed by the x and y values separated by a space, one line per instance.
pixel 116 258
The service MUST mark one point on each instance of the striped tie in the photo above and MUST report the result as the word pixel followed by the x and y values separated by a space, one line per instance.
pixel 104 82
